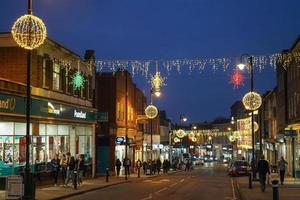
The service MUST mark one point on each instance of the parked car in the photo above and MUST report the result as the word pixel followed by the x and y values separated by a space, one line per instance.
pixel 239 167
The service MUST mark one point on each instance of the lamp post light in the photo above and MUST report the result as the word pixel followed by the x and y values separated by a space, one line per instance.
pixel 183 119
pixel 252 100
pixel 29 32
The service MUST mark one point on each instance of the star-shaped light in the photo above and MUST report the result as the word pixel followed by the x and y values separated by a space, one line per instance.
pixel 78 80
pixel 237 79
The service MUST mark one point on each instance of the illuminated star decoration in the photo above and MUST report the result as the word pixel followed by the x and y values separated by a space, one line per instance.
pixel 157 81
pixel 237 79
pixel 77 80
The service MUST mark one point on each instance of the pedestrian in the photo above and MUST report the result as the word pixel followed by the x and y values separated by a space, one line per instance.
pixel 70 168
pixel 165 166
pixel 127 164
pixel 63 167
pixel 158 165
pixel 144 167
pixel 55 162
pixel 282 166
pixel 153 166
pixel 80 168
pixel 139 165
pixel 263 168
pixel 118 166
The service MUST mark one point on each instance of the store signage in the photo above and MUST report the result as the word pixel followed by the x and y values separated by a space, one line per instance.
pixel 8 103
pixel 120 140
pixel 80 114
pixel 290 133
pixel 52 109
pixel 102 116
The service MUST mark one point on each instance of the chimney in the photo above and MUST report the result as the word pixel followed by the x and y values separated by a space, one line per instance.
pixel 89 55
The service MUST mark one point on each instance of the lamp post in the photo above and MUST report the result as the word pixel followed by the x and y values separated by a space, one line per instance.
pixel 182 118
pixel 29 32
pixel 157 93
pixel 126 123
pixel 253 104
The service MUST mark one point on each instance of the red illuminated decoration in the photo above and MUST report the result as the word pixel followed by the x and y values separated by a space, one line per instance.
pixel 237 79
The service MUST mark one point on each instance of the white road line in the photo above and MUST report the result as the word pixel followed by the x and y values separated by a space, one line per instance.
pixel 233 191
pixel 172 185
pixel 181 180
pixel 149 197
pixel 161 190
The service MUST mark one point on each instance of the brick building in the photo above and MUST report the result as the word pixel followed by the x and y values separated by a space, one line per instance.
pixel 62 118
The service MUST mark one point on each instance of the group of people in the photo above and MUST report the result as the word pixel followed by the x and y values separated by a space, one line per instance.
pixel 155 166
pixel 71 169
pixel 263 169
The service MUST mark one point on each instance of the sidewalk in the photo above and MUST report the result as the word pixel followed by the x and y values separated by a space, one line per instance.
pixel 59 192
pixel 289 191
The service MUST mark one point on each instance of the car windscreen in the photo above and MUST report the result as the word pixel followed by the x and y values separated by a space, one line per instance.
pixel 240 164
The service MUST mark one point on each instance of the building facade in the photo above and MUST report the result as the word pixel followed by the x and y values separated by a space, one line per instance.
pixel 62 117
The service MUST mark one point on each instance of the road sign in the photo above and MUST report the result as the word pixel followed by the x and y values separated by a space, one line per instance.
pixel 14 187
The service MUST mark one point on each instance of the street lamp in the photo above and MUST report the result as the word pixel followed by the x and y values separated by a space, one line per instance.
pixel 29 32
pixel 251 100
pixel 183 119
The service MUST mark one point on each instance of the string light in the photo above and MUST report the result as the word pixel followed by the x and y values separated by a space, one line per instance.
pixel 29 32
pixel 180 133
pixel 151 111
pixel 252 101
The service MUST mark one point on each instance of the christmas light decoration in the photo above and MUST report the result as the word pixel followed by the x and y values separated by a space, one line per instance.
pixel 176 140
pixel 180 133
pixel 29 32
pixel 252 101
pixel 191 135
pixel 256 126
pixel 237 79
pixel 77 81
pixel 151 112
pixel 194 139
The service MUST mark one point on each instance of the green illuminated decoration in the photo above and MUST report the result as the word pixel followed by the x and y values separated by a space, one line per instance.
pixel 77 81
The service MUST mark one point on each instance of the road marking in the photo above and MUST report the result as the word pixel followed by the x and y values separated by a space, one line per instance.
pixel 173 184
pixel 233 191
pixel 161 190
pixel 181 180
pixel 149 197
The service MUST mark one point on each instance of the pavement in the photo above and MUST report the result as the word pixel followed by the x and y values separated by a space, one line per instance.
pixel 290 190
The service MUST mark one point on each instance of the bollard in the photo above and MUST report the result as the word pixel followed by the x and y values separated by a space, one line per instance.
pixel 250 181
pixel 107 174
pixel 139 171
pixel 275 189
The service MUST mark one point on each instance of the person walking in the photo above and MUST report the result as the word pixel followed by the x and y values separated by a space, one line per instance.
pixel 55 162
pixel 139 165
pixel 263 168
pixel 158 165
pixel 144 167
pixel 282 166
pixel 118 166
pixel 127 164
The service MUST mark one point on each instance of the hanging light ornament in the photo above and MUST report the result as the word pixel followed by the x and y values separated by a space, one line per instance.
pixel 180 133
pixel 252 101
pixel 176 140
pixel 191 135
pixel 156 82
pixel 237 79
pixel 194 139
pixel 151 111
pixel 78 80
pixel 29 32
pixel 256 126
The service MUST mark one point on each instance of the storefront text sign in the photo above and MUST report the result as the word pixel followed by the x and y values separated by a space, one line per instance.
pixel 79 114
pixel 120 140
pixel 8 103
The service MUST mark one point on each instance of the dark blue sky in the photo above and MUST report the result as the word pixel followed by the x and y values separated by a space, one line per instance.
pixel 167 29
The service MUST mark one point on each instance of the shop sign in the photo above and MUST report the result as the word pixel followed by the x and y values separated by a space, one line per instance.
pixel 120 140
pixel 290 133
pixel 102 116
pixel 79 114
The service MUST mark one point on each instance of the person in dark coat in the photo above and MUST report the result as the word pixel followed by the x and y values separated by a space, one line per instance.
pixel 144 166
pixel 55 162
pixel 118 166
pixel 80 168
pixel 263 168
pixel 158 165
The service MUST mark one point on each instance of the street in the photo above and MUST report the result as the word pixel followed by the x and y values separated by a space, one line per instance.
pixel 207 182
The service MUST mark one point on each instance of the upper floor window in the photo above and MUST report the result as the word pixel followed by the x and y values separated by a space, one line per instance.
pixel 44 73
pixel 56 77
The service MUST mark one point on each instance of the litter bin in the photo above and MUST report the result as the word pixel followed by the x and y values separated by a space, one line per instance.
pixel 148 170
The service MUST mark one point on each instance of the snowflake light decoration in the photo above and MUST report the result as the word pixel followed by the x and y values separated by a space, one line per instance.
pixel 157 81
pixel 78 81
pixel 237 79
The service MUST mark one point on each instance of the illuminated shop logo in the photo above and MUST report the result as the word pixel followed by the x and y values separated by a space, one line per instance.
pixel 53 110
pixel 8 104
pixel 81 115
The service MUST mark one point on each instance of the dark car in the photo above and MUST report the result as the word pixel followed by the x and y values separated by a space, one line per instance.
pixel 239 167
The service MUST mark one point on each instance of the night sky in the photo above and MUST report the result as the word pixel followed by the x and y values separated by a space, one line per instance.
pixel 166 29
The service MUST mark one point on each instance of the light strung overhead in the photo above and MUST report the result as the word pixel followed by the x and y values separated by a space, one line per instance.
pixel 180 133
pixel 252 101
pixel 29 32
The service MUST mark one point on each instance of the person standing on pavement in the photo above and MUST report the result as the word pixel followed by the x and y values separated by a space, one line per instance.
pixel 144 167
pixel 158 165
pixel 118 166
pixel 139 165
pixel 282 166
pixel 63 167
pixel 55 162
pixel 127 164
pixel 263 168
pixel 80 168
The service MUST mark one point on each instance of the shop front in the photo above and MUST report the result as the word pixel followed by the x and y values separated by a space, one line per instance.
pixel 55 129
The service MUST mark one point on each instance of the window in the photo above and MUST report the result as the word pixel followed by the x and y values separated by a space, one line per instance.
pixel 44 73
pixel 118 111
pixel 67 82
pixel 56 77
